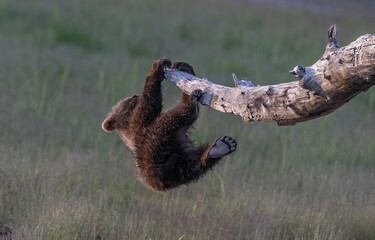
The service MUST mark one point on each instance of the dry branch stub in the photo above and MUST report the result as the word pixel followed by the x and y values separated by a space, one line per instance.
pixel 338 76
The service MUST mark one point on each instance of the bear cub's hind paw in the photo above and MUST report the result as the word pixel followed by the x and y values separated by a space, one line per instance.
pixel 224 145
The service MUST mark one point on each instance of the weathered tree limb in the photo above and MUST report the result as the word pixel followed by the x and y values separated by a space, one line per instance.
pixel 333 80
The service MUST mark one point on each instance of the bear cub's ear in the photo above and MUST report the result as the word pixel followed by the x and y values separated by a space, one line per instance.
pixel 109 124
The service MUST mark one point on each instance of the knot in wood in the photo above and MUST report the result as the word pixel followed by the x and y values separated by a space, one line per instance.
pixel 298 71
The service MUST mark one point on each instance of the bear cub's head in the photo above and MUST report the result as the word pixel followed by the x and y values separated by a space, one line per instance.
pixel 119 117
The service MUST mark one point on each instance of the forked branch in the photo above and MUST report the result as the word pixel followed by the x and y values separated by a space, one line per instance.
pixel 338 76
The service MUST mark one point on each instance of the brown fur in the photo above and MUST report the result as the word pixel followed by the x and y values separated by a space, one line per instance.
pixel 166 157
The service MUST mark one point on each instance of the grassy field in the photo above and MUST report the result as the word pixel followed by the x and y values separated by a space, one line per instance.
pixel 64 64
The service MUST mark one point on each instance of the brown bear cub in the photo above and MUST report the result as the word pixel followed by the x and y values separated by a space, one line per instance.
pixel 166 157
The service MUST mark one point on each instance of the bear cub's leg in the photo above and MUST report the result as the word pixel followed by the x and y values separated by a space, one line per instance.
pixel 204 158
pixel 221 146
pixel 186 112
pixel 150 101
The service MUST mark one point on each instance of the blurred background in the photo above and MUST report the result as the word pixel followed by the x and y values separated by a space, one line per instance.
pixel 64 64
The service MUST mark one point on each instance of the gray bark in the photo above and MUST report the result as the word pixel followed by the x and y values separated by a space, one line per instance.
pixel 338 76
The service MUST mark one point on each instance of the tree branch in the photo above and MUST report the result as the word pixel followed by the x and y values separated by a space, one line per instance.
pixel 333 80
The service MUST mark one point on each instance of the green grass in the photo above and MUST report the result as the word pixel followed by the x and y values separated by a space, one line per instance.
pixel 64 64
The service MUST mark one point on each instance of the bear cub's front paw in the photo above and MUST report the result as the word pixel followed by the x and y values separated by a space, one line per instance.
pixel 161 64
pixel 183 67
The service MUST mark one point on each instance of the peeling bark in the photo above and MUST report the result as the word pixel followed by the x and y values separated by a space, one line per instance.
pixel 338 76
